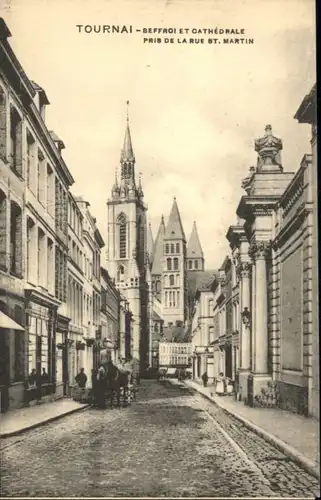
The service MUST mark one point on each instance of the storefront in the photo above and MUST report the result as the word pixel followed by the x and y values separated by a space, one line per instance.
pixel 12 351
pixel 41 319
pixel 62 347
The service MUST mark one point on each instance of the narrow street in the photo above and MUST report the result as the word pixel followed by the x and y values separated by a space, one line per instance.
pixel 170 442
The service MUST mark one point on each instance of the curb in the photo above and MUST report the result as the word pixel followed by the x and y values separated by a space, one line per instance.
pixel 42 423
pixel 305 463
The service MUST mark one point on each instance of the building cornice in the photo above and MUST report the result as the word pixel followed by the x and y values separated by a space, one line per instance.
pixel 257 205
pixel 306 112
pixel 234 234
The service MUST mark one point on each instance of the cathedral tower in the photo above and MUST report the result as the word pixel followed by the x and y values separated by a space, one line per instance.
pixel 127 247
pixel 195 256
pixel 174 280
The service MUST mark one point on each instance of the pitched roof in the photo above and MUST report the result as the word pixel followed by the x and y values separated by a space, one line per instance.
pixel 194 249
pixel 159 249
pixel 127 153
pixel 200 280
pixel 174 228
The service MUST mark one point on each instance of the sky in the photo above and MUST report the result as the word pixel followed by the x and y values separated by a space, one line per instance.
pixel 195 109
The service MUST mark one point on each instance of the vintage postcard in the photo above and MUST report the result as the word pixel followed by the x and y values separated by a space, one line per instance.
pixel 159 329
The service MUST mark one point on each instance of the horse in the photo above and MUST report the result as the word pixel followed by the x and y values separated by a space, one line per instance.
pixel 116 380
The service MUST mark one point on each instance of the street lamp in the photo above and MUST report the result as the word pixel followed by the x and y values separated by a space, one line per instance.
pixel 246 317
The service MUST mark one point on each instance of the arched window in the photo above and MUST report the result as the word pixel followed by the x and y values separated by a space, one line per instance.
pixel 171 280
pixel 210 307
pixel 167 248
pixel 169 264
pixel 176 263
pixel 122 236
pixel 177 248
pixel 158 286
pixel 166 299
pixel 172 248
pixel 177 298
pixel 120 273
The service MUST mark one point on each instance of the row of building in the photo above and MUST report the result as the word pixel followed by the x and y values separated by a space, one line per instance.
pixel 256 318
pixel 58 304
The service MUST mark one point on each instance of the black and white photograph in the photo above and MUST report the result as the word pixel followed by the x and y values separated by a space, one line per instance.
pixel 159 288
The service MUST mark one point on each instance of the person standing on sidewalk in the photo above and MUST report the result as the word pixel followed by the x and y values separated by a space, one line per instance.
pixel 81 378
pixel 205 379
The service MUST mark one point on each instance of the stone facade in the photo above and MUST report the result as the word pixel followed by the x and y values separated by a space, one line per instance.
pixel 50 252
pixel 275 244
pixel 175 354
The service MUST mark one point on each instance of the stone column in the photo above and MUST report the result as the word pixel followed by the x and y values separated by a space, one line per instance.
pixel 245 329
pixel 260 361
pixel 259 376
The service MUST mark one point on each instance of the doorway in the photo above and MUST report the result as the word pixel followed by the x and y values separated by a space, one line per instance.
pixel 228 361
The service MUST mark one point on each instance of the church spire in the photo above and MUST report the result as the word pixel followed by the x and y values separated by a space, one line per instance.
pixel 174 228
pixel 159 249
pixel 127 158
pixel 127 153
pixel 194 248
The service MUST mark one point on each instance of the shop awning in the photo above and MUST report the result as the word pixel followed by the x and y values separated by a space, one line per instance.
pixel 8 323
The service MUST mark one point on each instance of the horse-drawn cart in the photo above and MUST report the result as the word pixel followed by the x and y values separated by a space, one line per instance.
pixel 113 383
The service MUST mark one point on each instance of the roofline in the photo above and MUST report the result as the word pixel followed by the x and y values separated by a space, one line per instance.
pixel 99 238
pixel 306 113
pixel 26 88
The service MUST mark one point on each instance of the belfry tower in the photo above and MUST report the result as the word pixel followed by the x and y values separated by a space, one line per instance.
pixel 127 247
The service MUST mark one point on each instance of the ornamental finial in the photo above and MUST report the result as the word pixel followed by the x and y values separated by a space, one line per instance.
pixel 268 148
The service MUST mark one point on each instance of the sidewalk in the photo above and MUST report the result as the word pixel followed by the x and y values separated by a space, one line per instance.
pixel 16 422
pixel 294 435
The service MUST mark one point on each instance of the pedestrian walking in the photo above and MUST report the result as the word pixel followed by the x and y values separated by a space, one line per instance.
pixel 81 378
pixel 220 384
pixel 205 379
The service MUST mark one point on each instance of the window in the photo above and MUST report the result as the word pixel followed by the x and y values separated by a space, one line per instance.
pixel 50 266
pixel 122 236
pixel 177 279
pixel 41 258
pixel 196 264
pixel 176 263
pixel 167 248
pixel 171 280
pixel 210 307
pixel 177 248
pixel 16 239
pixel 178 297
pixel 50 191
pixel 120 273
pixel 190 264
pixel 158 286
pixel 172 248
pixel 15 142
pixel 30 159
pixel 3 230
pixel 169 264
pixel 210 334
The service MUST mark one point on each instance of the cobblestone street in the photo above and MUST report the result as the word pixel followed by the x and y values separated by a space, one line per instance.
pixel 170 442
